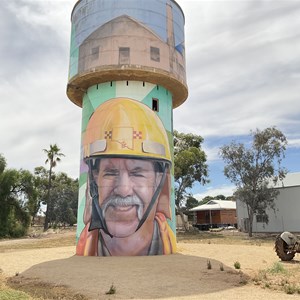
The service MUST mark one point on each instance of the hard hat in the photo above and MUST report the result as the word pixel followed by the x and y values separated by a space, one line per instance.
pixel 127 128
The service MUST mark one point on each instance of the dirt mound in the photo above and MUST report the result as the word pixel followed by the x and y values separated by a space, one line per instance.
pixel 139 277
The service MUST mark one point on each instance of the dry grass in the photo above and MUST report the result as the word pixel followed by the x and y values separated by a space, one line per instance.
pixel 226 237
pixel 40 290
pixel 282 276
pixel 22 288
pixel 51 240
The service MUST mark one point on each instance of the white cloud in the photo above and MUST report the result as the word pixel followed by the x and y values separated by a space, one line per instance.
pixel 212 153
pixel 243 67
pixel 295 143
pixel 226 190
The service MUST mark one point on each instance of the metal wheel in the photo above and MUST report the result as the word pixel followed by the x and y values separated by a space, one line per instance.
pixel 282 251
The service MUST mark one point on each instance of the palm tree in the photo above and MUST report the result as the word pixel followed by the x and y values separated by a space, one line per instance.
pixel 53 157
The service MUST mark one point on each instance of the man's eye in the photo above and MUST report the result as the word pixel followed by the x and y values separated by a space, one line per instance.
pixel 110 173
pixel 137 174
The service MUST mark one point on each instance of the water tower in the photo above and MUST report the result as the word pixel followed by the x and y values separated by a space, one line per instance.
pixel 127 72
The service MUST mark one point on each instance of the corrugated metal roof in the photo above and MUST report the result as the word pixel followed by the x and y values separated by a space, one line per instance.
pixel 216 205
pixel 291 179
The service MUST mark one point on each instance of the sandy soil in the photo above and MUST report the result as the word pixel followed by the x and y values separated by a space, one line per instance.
pixel 181 276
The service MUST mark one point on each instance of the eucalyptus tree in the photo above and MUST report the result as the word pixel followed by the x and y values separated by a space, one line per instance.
pixel 65 194
pixel 191 202
pixel 14 218
pixel 189 167
pixel 255 169
pixel 40 182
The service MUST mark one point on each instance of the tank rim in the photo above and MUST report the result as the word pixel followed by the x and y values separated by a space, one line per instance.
pixel 78 85
pixel 174 1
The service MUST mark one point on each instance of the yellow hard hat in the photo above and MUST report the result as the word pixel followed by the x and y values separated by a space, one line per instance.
pixel 128 128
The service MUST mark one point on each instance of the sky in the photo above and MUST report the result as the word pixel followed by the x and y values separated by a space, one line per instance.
pixel 243 74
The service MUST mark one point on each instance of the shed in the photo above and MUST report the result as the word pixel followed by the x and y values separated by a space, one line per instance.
pixel 214 214
pixel 285 217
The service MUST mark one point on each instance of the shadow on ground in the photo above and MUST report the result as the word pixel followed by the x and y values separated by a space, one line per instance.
pixel 150 277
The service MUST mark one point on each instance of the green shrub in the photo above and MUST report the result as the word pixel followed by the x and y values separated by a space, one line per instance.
pixel 277 268
pixel 237 265
pixel 290 289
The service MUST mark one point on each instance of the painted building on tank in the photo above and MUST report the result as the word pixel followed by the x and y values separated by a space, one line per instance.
pixel 127 72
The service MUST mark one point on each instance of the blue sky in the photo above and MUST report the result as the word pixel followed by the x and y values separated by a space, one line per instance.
pixel 243 73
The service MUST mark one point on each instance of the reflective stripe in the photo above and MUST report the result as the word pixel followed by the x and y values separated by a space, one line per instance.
pixel 97 146
pixel 154 147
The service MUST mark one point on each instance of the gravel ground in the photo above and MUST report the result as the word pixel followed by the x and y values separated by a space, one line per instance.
pixel 181 276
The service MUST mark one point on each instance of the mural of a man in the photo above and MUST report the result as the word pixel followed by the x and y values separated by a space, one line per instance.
pixel 128 191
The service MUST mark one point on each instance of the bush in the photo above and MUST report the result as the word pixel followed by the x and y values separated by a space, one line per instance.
pixel 237 265
pixel 277 268
pixel 16 223
pixel 290 289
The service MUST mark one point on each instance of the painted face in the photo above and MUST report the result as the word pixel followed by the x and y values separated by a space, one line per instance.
pixel 125 187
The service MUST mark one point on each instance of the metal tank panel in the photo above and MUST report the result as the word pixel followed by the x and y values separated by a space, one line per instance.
pixel 127 40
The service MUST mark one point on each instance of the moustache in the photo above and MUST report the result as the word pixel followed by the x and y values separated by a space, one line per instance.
pixel 116 201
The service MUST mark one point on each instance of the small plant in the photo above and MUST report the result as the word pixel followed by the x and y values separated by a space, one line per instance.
pixel 221 267
pixel 237 265
pixel 284 282
pixel 256 280
pixel 112 290
pixel 261 276
pixel 277 268
pixel 209 265
pixel 290 289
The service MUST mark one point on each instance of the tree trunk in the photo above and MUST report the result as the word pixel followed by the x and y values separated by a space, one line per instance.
pixel 33 220
pixel 250 224
pixel 250 229
pixel 185 224
pixel 250 217
pixel 46 226
pixel 48 211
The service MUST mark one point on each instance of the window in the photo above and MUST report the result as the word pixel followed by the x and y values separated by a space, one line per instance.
pixel 124 55
pixel 154 54
pixel 261 218
pixel 155 106
pixel 95 53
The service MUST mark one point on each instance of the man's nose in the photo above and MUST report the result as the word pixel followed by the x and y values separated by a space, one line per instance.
pixel 124 185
